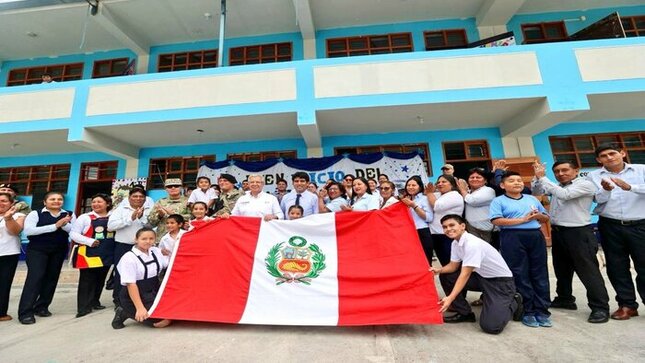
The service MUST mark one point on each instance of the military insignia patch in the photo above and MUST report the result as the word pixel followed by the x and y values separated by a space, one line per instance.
pixel 295 262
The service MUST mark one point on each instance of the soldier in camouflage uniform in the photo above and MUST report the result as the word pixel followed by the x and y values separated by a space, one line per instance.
pixel 228 196
pixel 21 207
pixel 175 203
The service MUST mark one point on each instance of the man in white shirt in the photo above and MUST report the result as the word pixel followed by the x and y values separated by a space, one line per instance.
pixel 621 206
pixel 300 196
pixel 476 266
pixel 574 245
pixel 256 203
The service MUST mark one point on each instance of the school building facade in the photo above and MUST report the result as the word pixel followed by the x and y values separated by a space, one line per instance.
pixel 308 78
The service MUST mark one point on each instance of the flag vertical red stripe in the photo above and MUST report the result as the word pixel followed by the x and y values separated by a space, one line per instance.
pixel 383 275
pixel 211 273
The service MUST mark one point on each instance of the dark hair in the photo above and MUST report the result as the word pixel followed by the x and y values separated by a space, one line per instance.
pixel 138 189
pixel 364 181
pixel 302 211
pixel 8 195
pixel 508 174
pixel 177 218
pixel 105 197
pixel 280 180
pixel 385 175
pixel 451 179
pixel 341 188
pixel 301 175
pixel 480 171
pixel 372 179
pixel 316 185
pixel 50 193
pixel 203 177
pixel 200 203
pixel 349 175
pixel 419 182
pixel 144 230
pixel 604 147
pixel 46 74
pixel 570 162
pixel 459 219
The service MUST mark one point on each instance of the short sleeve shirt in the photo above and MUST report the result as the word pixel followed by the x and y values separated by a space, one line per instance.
pixel 132 270
pixel 474 252
pixel 507 207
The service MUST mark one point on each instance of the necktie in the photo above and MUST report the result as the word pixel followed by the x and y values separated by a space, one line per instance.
pixel 298 199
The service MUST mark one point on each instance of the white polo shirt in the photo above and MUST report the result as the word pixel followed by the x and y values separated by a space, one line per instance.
pixel 9 244
pixel 168 242
pixel 257 206
pixel 474 252
pixel 132 270
pixel 198 195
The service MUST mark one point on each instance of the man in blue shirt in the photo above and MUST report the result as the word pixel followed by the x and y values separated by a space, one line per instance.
pixel 300 196
pixel 523 247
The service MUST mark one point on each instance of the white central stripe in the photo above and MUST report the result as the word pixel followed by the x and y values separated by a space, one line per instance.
pixel 295 303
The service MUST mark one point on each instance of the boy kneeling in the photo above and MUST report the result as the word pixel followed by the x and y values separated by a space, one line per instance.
pixel 482 269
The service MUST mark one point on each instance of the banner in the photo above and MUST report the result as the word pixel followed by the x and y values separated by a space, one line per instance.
pixel 349 268
pixel 398 167
pixel 121 188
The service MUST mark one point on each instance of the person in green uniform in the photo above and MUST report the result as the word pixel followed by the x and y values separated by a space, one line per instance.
pixel 21 206
pixel 174 203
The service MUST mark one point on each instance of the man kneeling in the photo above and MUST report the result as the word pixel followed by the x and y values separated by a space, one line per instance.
pixel 476 266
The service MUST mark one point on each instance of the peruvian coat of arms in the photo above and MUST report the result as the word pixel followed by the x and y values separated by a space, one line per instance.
pixel 295 261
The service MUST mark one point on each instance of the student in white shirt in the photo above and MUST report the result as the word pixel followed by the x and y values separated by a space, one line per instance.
pixel 203 193
pixel 256 203
pixel 174 232
pixel 475 265
pixel 10 227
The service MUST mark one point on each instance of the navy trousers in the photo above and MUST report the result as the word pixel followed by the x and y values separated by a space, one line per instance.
pixel 524 251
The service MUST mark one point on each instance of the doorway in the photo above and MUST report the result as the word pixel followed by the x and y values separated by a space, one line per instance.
pixel 95 178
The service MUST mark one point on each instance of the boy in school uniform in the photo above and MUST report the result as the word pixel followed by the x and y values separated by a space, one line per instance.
pixel 476 266
pixel 523 247
pixel 203 193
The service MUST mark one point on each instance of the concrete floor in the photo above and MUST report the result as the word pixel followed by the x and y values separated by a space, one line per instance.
pixel 63 338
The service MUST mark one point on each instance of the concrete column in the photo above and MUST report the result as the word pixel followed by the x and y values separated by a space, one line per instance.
pixel 131 168
pixel 142 63
pixel 490 31
pixel 309 48
pixel 314 152
pixel 515 147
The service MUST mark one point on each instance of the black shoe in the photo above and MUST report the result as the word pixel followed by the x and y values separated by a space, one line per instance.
pixel 44 313
pixel 98 307
pixel 119 318
pixel 558 303
pixel 83 313
pixel 28 320
pixel 109 284
pixel 519 311
pixel 598 316
pixel 458 318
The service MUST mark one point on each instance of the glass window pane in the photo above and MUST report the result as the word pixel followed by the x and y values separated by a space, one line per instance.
pixel 456 38
pixel 40 173
pixel 61 172
pixel 20 187
pixel 59 186
pixel 637 156
pixel 175 165
pixel 640 23
pixel 268 50
pixel 435 40
pixel 191 164
pixel 454 151
pixel 165 60
pixel 181 58
pixel 338 44
pixel 4 175
pixel 401 40
pixel 210 56
pixel 532 32
pixel 554 31
pixel 561 144
pixel 237 53
pixel 632 140
pixel 565 157
pixel 284 49
pixel 357 43
pixel 477 150
pixel 253 52
pixel 379 42
pixel 627 23
pixel 39 187
pixel 20 174
pixel 584 143
pixel 588 160
pixel 195 57
pixel 607 139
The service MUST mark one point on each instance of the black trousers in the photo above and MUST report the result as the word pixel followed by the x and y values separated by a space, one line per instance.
pixel 498 302
pixel 441 245
pixel 43 270
pixel 8 266
pixel 90 287
pixel 620 242
pixel 574 250
pixel 120 249
pixel 426 242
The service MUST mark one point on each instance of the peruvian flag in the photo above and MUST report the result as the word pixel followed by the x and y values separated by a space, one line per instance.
pixel 349 268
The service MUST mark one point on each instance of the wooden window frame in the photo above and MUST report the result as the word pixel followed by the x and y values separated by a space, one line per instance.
pixel 33 177
pixel 106 171
pixel 262 57
pixel 400 148
pixel 467 143
pixel 156 178
pixel 111 64
pixel 188 64
pixel 595 143
pixel 262 156
pixel 33 75
pixel 633 20
pixel 543 27
pixel 369 49
pixel 445 33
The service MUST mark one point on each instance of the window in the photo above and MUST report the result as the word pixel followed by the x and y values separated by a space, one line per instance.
pixel 187 60
pixel 265 53
pixel 422 149
pixel 104 171
pixel 370 44
pixel 59 73
pixel 580 148
pixel 110 67
pixel 465 155
pixel 445 39
pixel 185 168
pixel 261 156
pixel 544 32
pixel 29 180
pixel 634 25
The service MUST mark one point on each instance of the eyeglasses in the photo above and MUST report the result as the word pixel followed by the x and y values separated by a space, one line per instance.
pixel 173 186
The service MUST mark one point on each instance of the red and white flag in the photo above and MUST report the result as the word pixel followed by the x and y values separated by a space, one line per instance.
pixel 352 268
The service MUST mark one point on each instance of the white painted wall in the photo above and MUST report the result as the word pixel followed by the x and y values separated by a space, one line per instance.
pixel 611 63
pixel 36 105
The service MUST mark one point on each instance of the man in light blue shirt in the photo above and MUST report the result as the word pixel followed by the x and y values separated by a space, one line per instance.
pixel 621 207
pixel 300 196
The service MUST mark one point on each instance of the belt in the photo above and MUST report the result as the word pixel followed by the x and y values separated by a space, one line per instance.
pixel 634 222
pixel 556 227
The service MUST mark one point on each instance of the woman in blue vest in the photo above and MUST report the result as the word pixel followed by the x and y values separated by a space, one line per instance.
pixel 48 232
pixel 94 253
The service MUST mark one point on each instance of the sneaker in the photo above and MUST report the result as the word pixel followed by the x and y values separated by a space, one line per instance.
pixel 543 320
pixel 530 321
pixel 559 303
pixel 519 311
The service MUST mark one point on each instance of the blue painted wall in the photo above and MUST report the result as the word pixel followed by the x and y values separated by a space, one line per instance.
pixel 572 18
